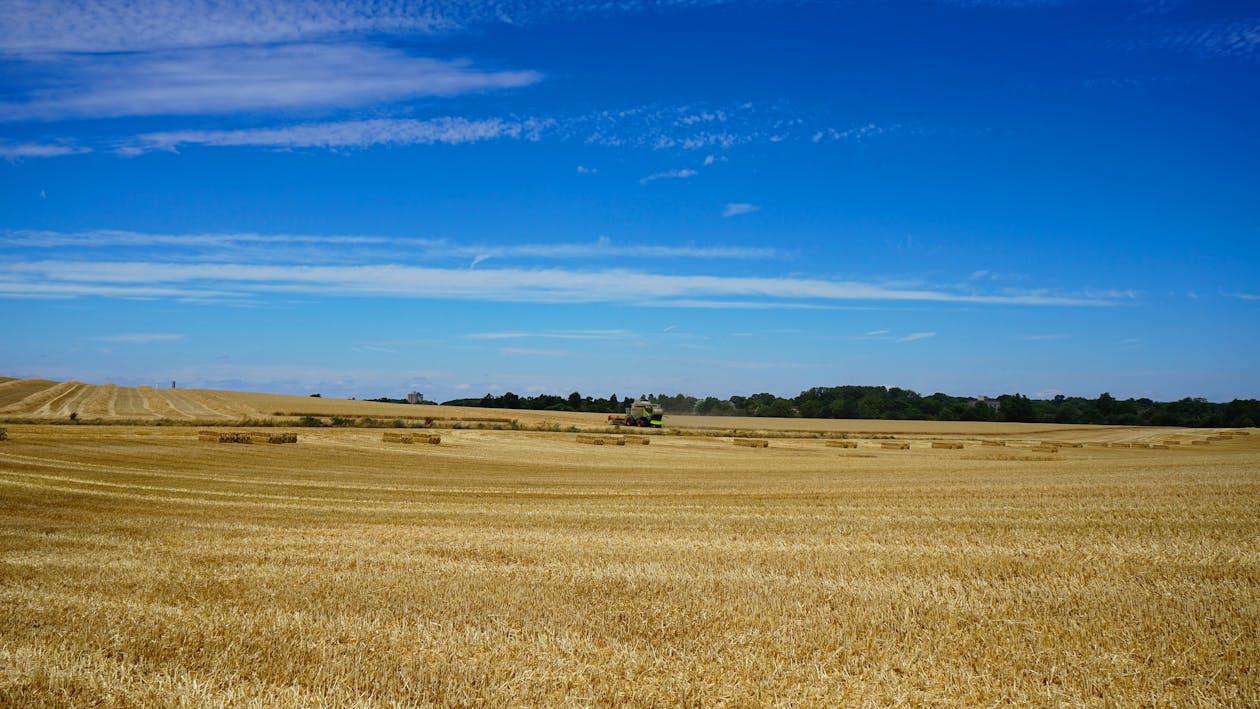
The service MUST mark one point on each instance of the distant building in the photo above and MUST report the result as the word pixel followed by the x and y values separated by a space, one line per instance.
pixel 415 397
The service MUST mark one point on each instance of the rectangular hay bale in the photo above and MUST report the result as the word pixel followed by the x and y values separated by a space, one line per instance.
pixel 947 445
pixel 895 445
pixel 1046 449
pixel 752 442
pixel 389 437
pixel 435 440
pixel 842 444
pixel 992 443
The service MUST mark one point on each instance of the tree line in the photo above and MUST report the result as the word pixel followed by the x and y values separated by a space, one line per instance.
pixel 877 402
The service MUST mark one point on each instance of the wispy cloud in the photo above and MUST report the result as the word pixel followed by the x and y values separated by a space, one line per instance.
pixel 344 249
pixel 534 352
pixel 1242 296
pixel 142 338
pixel 669 175
pixel 198 280
pixel 1040 337
pixel 631 129
pixel 243 79
pixel 858 133
pixel 734 209
pixel 110 238
pixel 916 336
pixel 605 248
pixel 41 26
pixel 18 151
pixel 346 134
pixel 554 335
pixel 44 26
pixel 1240 38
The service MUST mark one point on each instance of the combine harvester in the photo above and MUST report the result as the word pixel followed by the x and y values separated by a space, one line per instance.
pixel 641 413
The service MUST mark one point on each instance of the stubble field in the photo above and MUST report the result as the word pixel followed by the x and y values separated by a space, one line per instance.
pixel 140 566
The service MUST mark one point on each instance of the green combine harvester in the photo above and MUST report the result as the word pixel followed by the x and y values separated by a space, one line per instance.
pixel 642 413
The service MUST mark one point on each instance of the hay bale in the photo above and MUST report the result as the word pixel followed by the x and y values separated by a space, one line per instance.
pixel 1095 444
pixel 895 445
pixel 842 444
pixel 235 438
pixel 947 445
pixel 992 443
pixel 638 440
pixel 593 440
pixel 391 437
pixel 1069 444
pixel 210 436
pixel 1043 448
pixel 4 434
pixel 1198 443
pixel 1159 446
pixel 434 440
pixel 752 442
pixel 282 438
pixel 1171 443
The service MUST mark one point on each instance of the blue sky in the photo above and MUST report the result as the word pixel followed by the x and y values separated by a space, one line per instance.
pixel 365 198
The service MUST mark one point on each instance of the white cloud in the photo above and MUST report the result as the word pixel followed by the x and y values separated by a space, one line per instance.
pixel 236 79
pixel 583 170
pixel 143 338
pixel 41 26
pixel 916 336
pixel 1241 296
pixel 344 249
pixel 17 151
pixel 669 175
pixel 858 133
pixel 1240 38
pixel 604 248
pixel 1041 337
pixel 109 238
pixel 534 352
pixel 346 134
pixel 208 280
pixel 877 333
pixel 554 335
pixel 734 209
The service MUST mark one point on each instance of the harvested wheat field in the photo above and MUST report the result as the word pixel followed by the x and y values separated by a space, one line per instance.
pixel 143 566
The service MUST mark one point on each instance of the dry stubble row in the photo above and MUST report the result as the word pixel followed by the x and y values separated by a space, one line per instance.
pixel 338 573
